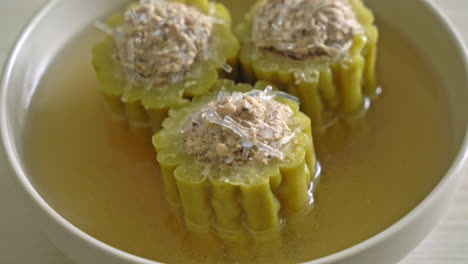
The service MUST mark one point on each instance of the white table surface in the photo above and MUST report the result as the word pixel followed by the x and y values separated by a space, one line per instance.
pixel 22 242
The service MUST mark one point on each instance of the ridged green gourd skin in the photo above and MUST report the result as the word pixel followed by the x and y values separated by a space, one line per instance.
pixel 239 203
pixel 143 108
pixel 325 88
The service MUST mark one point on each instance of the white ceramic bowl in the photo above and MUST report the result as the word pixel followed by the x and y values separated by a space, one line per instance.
pixel 60 20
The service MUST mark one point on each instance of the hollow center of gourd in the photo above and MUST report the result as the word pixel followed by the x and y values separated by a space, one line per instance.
pixel 160 40
pixel 306 28
pixel 238 128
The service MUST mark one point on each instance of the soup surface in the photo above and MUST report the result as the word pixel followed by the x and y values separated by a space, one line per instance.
pixel 103 177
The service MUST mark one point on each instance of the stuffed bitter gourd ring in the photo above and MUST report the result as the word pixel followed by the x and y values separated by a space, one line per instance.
pixel 322 51
pixel 237 159
pixel 160 54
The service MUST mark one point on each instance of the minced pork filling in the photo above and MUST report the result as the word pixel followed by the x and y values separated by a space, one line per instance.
pixel 306 28
pixel 238 128
pixel 160 40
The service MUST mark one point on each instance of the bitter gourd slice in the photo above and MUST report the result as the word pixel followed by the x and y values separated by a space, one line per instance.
pixel 142 101
pixel 237 200
pixel 326 87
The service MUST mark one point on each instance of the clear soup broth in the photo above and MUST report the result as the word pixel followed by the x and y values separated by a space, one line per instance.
pixel 103 177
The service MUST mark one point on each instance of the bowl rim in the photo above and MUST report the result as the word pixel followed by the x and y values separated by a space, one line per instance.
pixel 20 173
